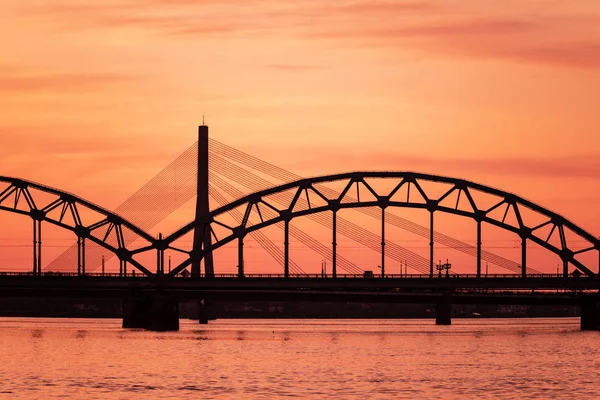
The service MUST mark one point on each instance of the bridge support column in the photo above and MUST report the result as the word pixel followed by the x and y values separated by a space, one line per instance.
pixel 205 311
pixel 153 311
pixel 443 310
pixel 590 313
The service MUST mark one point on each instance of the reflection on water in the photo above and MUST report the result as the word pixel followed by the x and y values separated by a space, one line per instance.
pixel 37 333
pixel 472 359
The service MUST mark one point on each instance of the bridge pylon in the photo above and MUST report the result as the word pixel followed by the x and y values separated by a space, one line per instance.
pixel 202 235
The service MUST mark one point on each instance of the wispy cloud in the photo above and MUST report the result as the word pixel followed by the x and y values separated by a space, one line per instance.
pixel 80 153
pixel 575 54
pixel 571 167
pixel 442 29
pixel 177 18
pixel 295 67
pixel 25 80
pixel 466 27
pixel 512 38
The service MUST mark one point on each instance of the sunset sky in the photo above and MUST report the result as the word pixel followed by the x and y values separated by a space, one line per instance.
pixel 98 98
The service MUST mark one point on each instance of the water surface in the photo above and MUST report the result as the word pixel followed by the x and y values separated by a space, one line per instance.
pixel 401 359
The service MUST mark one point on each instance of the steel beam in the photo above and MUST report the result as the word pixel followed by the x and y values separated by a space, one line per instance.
pixel 334 244
pixel 39 243
pixel 241 257
pixel 479 248
pixel 524 257
pixel 34 247
pixel 78 255
pixel 383 242
pixel 286 248
pixel 431 243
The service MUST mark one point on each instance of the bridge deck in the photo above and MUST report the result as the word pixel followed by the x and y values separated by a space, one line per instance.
pixel 11 284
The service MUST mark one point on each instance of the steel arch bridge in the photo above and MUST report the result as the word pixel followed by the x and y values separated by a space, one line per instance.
pixel 263 210
pixel 105 228
pixel 86 220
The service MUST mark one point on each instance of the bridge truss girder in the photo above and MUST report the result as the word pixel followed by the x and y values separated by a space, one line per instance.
pixel 508 201
pixel 21 197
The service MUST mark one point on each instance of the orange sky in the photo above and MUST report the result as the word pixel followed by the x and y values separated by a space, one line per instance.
pixel 97 98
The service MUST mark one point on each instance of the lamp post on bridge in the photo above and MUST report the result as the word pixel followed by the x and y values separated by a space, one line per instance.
pixel 444 267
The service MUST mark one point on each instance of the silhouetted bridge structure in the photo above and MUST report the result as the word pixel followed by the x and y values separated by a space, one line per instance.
pixel 151 296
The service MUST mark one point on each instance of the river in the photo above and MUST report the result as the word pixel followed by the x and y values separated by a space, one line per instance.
pixel 264 359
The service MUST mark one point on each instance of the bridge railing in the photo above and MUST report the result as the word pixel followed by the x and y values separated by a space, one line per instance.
pixel 362 276
pixel 131 274
pixel 93 274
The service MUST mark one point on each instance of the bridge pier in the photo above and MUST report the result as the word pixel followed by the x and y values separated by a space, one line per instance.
pixel 205 311
pixel 590 313
pixel 154 311
pixel 443 310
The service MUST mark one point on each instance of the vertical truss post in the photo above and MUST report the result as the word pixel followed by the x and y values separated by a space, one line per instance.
pixel 334 245
pixel 39 243
pixel 524 257
pixel 83 256
pixel 124 267
pixel 241 257
pixel 162 259
pixel 565 268
pixel 202 234
pixel 34 271
pixel 286 248
pixel 431 243
pixel 78 256
pixel 158 261
pixel 383 242
pixel 479 248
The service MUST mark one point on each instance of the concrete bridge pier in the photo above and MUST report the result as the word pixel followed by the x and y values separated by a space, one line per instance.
pixel 152 311
pixel 443 310
pixel 590 312
pixel 206 311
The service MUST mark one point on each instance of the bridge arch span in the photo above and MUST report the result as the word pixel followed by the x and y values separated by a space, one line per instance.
pixel 65 210
pixel 258 201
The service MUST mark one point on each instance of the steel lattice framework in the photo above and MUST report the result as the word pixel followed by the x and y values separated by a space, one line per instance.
pixel 65 210
pixel 105 228
pixel 303 190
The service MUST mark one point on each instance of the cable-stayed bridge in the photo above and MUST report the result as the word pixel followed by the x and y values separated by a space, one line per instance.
pixel 253 198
